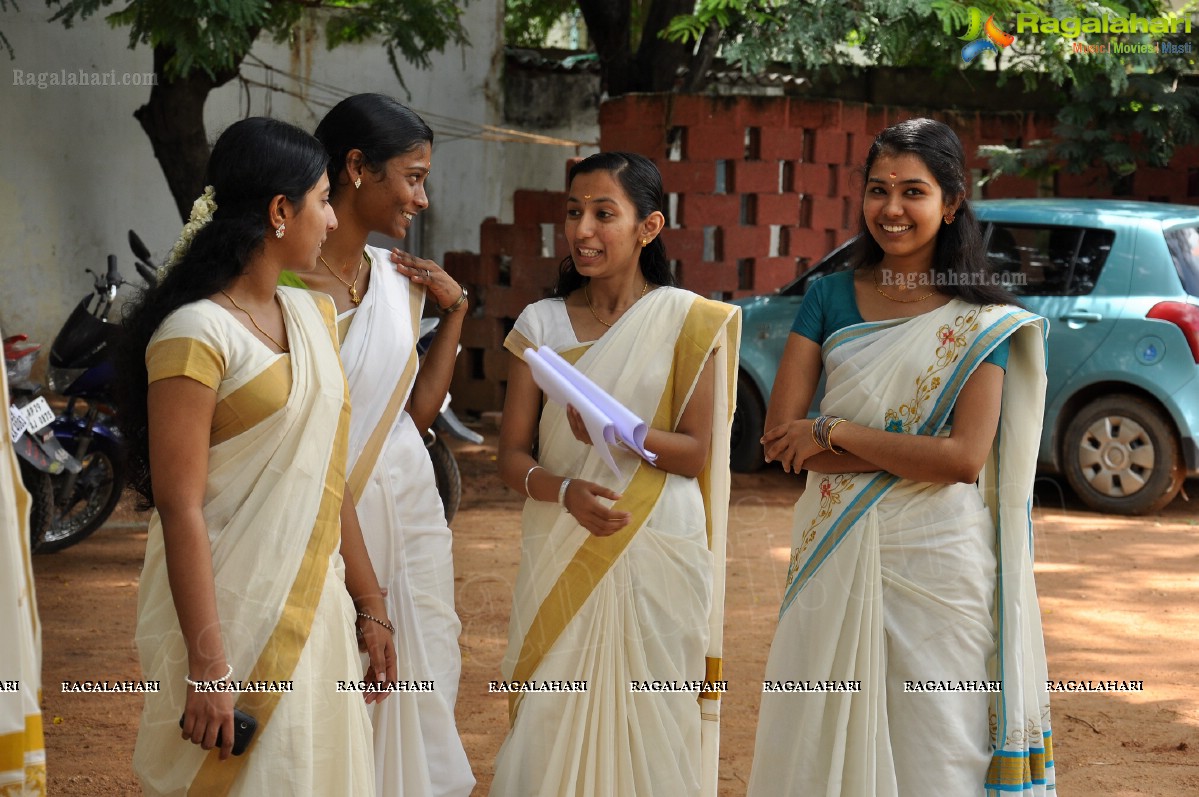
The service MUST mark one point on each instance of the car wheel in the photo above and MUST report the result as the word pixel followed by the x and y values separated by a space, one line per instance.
pixel 745 444
pixel 1121 455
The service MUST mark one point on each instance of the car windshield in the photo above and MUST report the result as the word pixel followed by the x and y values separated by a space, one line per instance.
pixel 836 260
pixel 1184 250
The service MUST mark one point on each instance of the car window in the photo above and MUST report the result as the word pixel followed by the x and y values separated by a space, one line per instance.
pixel 1035 260
pixel 1183 243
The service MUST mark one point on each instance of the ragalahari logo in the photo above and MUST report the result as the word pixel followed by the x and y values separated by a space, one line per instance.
pixel 983 36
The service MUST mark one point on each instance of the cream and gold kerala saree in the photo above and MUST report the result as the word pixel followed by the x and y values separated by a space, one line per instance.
pixel 418 752
pixel 909 658
pixel 619 620
pixel 22 747
pixel 276 476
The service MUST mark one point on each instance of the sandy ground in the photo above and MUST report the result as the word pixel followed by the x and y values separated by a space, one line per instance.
pixel 1120 599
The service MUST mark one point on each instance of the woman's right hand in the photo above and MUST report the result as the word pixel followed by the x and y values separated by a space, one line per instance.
pixel 207 715
pixel 582 502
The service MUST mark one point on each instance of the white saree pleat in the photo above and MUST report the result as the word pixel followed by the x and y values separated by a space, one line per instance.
pixel 893 584
pixel 649 616
pixel 264 489
pixel 418 752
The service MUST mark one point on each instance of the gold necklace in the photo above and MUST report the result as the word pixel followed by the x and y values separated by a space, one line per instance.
pixel 587 293
pixel 255 323
pixel 353 286
pixel 879 288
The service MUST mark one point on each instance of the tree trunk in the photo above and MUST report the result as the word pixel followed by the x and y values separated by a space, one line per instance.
pixel 174 122
pixel 701 60
pixel 608 26
pixel 658 60
pixel 655 65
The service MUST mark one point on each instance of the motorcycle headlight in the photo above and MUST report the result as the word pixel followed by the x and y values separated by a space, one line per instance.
pixel 18 369
pixel 60 379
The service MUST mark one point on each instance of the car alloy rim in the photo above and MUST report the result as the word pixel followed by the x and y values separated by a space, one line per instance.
pixel 1116 456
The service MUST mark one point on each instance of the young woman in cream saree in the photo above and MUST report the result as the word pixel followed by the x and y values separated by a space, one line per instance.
pixel 909 658
pixel 380 158
pixel 255 569
pixel 621 585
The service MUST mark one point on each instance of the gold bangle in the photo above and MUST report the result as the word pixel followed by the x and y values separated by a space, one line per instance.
pixel 455 305
pixel 390 628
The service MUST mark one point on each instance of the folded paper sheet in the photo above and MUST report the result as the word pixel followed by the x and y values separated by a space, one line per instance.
pixel 608 421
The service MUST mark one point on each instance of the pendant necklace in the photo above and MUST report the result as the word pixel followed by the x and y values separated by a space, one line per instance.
pixel 353 286
pixel 587 293
pixel 255 323
pixel 879 288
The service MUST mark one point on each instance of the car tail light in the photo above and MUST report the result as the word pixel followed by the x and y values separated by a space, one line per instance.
pixel 1182 315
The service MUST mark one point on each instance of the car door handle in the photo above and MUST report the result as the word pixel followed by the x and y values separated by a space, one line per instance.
pixel 1082 316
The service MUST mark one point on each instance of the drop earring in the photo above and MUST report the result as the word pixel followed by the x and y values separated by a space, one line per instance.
pixel 279 230
pixel 949 217
pixel 358 183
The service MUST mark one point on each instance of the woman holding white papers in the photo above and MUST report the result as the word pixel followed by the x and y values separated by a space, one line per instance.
pixel 620 593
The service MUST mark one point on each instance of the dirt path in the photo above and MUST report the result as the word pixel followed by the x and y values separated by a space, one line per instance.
pixel 1120 599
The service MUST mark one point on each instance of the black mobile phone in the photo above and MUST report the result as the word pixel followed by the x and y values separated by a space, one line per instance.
pixel 243 731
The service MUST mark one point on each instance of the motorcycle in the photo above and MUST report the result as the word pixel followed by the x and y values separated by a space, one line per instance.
pixel 39 453
pixel 445 466
pixel 81 370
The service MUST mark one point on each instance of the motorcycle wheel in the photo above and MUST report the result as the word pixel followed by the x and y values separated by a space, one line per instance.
pixel 449 478
pixel 96 493
pixel 41 505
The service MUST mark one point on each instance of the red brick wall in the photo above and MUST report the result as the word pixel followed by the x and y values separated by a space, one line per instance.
pixel 763 188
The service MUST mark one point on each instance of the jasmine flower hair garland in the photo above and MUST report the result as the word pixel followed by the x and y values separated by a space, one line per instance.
pixel 201 214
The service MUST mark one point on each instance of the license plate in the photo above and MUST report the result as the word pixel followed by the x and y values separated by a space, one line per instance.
pixel 38 414
pixel 16 423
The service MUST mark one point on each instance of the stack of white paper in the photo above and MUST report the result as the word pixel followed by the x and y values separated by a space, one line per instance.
pixel 608 421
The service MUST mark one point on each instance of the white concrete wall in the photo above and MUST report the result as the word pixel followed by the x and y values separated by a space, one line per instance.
pixel 77 171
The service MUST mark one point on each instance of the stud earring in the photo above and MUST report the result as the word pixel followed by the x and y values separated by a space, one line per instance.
pixel 644 242
pixel 358 183
pixel 949 217
pixel 279 230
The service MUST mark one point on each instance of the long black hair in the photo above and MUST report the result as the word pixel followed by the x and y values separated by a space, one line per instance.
pixel 959 261
pixel 642 183
pixel 378 125
pixel 252 162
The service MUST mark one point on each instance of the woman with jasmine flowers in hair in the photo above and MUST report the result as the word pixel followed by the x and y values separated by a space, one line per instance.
pixel 910 580
pixel 236 414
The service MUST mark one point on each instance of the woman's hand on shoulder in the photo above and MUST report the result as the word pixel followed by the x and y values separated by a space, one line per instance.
pixel 442 288
pixel 582 502
pixel 790 444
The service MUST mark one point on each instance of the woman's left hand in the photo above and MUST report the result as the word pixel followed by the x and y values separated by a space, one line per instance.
pixel 443 289
pixel 577 427
pixel 790 444
pixel 380 650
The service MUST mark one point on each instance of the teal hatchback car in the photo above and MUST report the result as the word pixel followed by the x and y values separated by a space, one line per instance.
pixel 1119 283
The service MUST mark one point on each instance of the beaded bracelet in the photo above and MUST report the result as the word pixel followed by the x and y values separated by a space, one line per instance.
pixel 527 475
pixel 199 684
pixel 384 623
